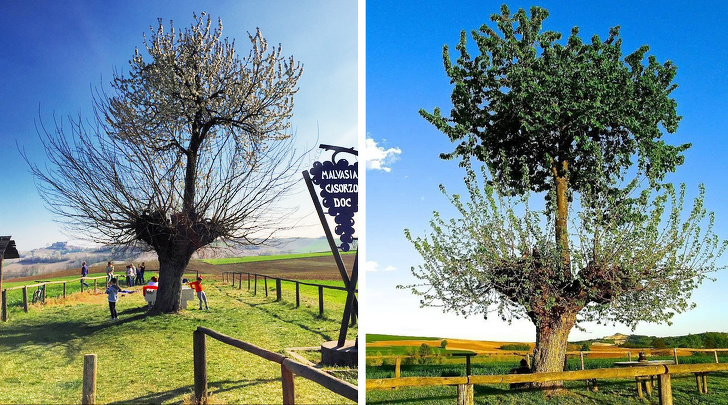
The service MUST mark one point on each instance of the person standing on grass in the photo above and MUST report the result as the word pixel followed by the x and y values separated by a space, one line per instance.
pixel 84 274
pixel 197 285
pixel 109 272
pixel 113 290
pixel 129 276
pixel 139 274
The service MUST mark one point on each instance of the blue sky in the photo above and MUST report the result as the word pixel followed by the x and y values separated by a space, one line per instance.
pixel 405 73
pixel 55 52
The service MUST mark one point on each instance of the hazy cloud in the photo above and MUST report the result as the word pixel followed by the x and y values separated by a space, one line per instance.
pixel 379 158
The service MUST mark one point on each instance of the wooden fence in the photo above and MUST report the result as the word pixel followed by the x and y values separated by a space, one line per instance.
pixel 465 384
pixel 4 311
pixel 527 355
pixel 229 276
pixel 288 368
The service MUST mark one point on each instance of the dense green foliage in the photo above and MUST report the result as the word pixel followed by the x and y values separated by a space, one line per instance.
pixel 707 340
pixel 566 120
pixel 516 346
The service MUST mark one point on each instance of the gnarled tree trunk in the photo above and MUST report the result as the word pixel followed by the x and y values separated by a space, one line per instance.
pixel 552 334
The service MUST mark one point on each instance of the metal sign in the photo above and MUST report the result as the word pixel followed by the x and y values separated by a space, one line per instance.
pixel 339 183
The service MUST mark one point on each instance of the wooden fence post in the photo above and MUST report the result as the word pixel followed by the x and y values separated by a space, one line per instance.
pixel 240 282
pixel 321 300
pixel 465 394
pixel 4 306
pixel 265 284
pixel 89 379
pixel 715 354
pixel 397 366
pixel 248 281
pixel 665 389
pixel 278 289
pixel 581 357
pixel 255 287
pixel 298 297
pixel 674 353
pixel 25 298
pixel 629 356
pixel 288 387
pixel 64 289
pixel 200 360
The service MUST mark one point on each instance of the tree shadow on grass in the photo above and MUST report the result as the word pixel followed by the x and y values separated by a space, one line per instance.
pixel 15 336
pixel 263 307
pixel 213 387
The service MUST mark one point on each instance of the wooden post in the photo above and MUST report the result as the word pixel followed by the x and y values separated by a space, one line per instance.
pixel 240 282
pixel 89 379
pixel 581 358
pixel 629 356
pixel 4 306
pixel 397 366
pixel 705 382
pixel 715 354
pixel 255 287
pixel 248 281
pixel 298 297
pixel 25 298
pixel 321 300
pixel 665 389
pixel 465 394
pixel 265 284
pixel 467 365
pixel 200 361
pixel 674 354
pixel 288 387
pixel 64 289
pixel 278 289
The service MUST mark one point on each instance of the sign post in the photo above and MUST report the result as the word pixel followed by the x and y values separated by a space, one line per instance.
pixel 339 185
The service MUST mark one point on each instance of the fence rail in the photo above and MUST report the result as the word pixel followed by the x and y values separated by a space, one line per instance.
pixel 4 303
pixel 465 390
pixel 288 368
pixel 229 276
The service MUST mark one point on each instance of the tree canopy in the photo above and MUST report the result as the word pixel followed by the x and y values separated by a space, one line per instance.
pixel 192 145
pixel 566 120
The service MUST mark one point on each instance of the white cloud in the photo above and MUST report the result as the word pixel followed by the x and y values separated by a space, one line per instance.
pixel 370 266
pixel 379 158
pixel 374 266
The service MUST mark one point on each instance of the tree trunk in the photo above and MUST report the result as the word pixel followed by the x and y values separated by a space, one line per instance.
pixel 562 212
pixel 552 333
pixel 171 268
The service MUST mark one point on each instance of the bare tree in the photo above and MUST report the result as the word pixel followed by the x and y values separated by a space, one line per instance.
pixel 192 146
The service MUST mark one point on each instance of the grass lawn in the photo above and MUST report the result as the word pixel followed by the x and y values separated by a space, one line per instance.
pixel 149 359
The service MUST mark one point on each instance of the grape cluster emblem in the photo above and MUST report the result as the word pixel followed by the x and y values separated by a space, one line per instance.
pixel 339 183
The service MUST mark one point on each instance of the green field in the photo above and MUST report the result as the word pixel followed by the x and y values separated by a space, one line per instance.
pixel 371 338
pixel 251 259
pixel 145 359
pixel 616 392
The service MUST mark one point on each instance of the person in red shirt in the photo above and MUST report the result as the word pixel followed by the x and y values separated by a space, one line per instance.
pixel 197 285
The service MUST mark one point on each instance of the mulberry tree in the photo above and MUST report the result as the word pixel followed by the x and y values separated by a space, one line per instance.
pixel 191 146
pixel 563 119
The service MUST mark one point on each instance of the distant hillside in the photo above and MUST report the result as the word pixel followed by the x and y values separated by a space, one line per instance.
pixel 706 340
pixel 62 256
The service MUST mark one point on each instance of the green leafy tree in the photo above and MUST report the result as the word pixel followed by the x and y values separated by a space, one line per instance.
pixel 192 146
pixel 566 121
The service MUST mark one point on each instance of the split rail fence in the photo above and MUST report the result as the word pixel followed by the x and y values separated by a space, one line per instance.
pixel 465 384
pixel 229 277
pixel 288 368
pixel 527 355
pixel 4 310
